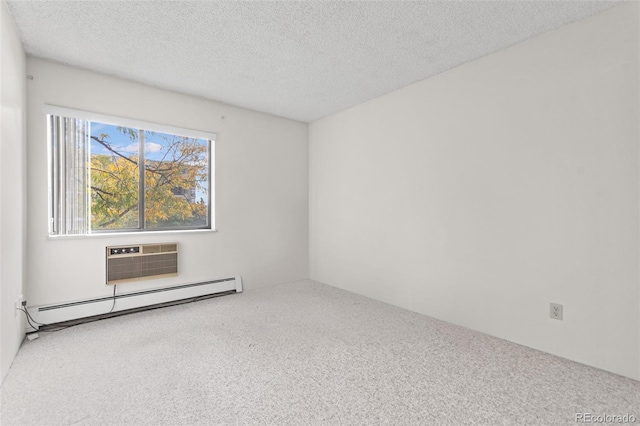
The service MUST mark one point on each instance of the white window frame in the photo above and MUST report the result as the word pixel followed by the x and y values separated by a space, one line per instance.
pixel 137 124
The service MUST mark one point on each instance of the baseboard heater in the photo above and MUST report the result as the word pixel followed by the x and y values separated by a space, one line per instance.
pixel 53 314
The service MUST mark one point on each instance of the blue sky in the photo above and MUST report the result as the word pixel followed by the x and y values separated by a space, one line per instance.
pixel 154 143
pixel 123 143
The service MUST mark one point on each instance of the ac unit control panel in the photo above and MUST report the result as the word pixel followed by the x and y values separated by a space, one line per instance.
pixel 124 250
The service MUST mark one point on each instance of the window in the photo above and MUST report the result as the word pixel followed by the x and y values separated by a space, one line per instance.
pixel 111 174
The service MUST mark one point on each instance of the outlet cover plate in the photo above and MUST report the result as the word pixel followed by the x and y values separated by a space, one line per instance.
pixel 555 311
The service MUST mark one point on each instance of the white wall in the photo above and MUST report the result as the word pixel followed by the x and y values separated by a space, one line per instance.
pixel 261 190
pixel 13 185
pixel 482 194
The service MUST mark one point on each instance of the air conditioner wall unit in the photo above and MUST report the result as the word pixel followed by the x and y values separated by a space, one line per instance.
pixel 138 262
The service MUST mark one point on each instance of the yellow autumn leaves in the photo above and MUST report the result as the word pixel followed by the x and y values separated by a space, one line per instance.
pixel 174 186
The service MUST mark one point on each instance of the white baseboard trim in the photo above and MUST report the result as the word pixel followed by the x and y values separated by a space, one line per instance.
pixel 52 314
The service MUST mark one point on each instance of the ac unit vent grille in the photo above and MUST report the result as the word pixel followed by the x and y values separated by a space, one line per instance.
pixel 134 263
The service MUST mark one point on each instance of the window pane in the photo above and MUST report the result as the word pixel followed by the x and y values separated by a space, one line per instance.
pixel 114 177
pixel 176 181
pixel 108 177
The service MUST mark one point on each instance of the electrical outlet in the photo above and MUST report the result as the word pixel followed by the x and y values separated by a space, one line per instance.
pixel 555 311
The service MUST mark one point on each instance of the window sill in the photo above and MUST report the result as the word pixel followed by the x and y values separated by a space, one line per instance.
pixel 111 235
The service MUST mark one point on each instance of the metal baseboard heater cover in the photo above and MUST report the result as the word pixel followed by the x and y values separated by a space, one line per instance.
pixel 138 262
pixel 52 314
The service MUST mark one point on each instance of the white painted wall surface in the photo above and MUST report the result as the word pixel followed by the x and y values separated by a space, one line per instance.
pixel 13 185
pixel 261 190
pixel 483 194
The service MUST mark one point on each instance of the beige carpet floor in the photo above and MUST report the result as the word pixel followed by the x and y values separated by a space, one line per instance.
pixel 297 354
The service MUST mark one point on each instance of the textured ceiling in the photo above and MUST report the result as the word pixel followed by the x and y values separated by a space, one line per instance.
pixel 301 60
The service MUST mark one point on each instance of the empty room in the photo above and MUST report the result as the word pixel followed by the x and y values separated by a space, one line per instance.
pixel 320 212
